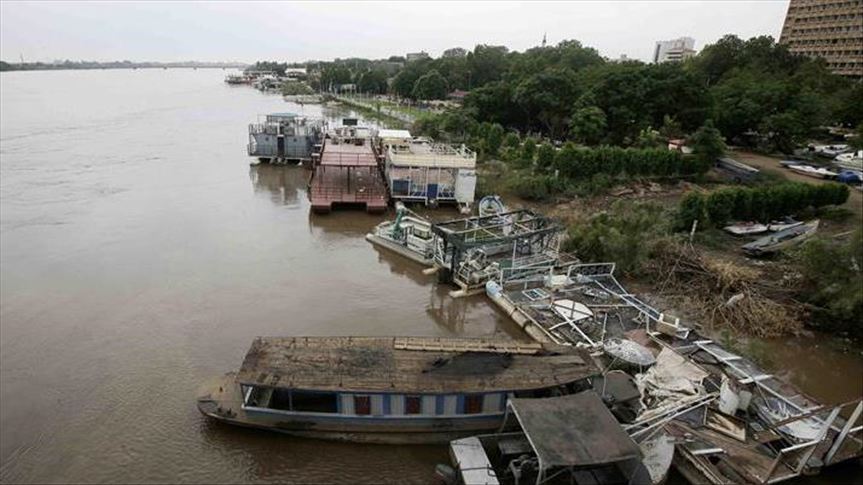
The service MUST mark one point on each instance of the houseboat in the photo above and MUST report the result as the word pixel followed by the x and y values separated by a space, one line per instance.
pixel 432 173
pixel 390 389
pixel 284 137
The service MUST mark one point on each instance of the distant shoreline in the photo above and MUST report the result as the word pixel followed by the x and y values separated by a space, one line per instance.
pixel 80 66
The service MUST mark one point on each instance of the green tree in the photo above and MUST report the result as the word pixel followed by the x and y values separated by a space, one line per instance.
pixel 707 143
pixel 547 97
pixel 494 138
pixel 528 150
pixel 545 157
pixel 649 138
pixel 588 125
pixel 430 86
pixel 373 81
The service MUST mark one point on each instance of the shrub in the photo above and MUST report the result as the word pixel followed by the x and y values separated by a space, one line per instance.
pixel 758 203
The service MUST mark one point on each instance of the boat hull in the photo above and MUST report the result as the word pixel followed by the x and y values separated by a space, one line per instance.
pixel 398 249
pixel 222 402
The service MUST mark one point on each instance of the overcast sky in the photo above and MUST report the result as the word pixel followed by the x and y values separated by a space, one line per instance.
pixel 247 31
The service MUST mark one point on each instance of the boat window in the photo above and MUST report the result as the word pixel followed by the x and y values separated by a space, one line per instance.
pixel 316 402
pixel 362 405
pixel 413 405
pixel 281 399
pixel 473 404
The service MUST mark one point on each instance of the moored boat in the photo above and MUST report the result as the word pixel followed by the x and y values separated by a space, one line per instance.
pixel 388 389
pixel 560 440
pixel 408 235
pixel 781 240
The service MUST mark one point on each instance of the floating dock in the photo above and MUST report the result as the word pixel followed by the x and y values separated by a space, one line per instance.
pixel 348 174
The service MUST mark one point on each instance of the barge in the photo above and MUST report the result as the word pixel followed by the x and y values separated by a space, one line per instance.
pixel 347 172
pixel 284 137
pixel 389 389
pixel 408 235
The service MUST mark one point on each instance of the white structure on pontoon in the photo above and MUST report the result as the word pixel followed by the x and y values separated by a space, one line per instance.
pixel 421 170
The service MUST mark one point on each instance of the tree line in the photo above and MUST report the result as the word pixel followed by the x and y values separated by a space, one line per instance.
pixel 755 91
pixel 764 203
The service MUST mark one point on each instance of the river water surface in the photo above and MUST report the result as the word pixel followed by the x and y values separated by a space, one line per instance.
pixel 140 256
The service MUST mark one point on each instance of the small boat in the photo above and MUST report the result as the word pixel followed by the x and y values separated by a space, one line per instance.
pixel 781 240
pixel 558 440
pixel 850 161
pixel 817 172
pixel 746 228
pixel 782 224
pixel 790 163
pixel 409 235
pixel 395 390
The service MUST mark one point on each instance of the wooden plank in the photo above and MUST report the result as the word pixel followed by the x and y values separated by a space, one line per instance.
pixel 472 462
pixel 466 345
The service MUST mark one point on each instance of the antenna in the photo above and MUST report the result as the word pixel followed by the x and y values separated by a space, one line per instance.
pixel 543 39
pixel 21 55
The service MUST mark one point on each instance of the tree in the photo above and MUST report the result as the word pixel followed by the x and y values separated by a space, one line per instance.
pixel 648 138
pixel 528 149
pixel 454 52
pixel 707 143
pixel 494 138
pixel 670 128
pixel 588 125
pixel 545 157
pixel 430 86
pixel 547 97
pixel 374 81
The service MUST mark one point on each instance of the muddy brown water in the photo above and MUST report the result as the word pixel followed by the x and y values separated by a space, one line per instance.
pixel 141 254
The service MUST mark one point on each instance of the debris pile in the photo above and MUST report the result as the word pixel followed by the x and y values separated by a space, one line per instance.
pixel 725 294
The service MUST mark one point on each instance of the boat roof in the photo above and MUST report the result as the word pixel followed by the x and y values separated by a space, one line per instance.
pixel 573 430
pixel 411 364
pixel 385 133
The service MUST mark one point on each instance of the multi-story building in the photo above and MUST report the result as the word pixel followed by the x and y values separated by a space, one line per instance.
pixel 830 29
pixel 674 50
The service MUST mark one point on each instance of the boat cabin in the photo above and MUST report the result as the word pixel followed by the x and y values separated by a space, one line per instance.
pixel 565 440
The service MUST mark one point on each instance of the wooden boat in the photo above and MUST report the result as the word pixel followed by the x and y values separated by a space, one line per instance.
pixel 387 389
pixel 560 440
pixel 781 240
pixel 746 228
pixel 408 235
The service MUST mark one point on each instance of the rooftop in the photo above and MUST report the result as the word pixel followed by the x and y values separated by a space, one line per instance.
pixel 411 365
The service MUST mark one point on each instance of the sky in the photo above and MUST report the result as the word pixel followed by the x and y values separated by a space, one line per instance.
pixel 299 31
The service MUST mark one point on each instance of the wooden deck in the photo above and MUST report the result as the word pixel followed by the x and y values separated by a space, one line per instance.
pixel 348 175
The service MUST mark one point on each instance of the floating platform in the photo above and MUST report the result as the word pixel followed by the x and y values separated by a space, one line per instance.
pixel 348 174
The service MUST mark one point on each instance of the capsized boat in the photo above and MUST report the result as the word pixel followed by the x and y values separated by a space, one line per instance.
pixel 408 235
pixel 558 440
pixel 781 240
pixel 746 228
pixel 397 390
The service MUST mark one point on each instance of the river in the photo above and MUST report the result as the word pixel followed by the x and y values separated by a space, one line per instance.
pixel 140 256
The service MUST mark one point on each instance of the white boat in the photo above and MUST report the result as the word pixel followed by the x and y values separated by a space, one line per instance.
pixel 783 224
pixel 817 172
pixel 850 161
pixel 746 228
pixel 409 235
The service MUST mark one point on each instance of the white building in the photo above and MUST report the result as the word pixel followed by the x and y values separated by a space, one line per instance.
pixel 674 50
pixel 416 56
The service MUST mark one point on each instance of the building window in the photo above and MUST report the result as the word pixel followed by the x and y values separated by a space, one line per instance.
pixel 363 405
pixel 473 404
pixel 413 405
